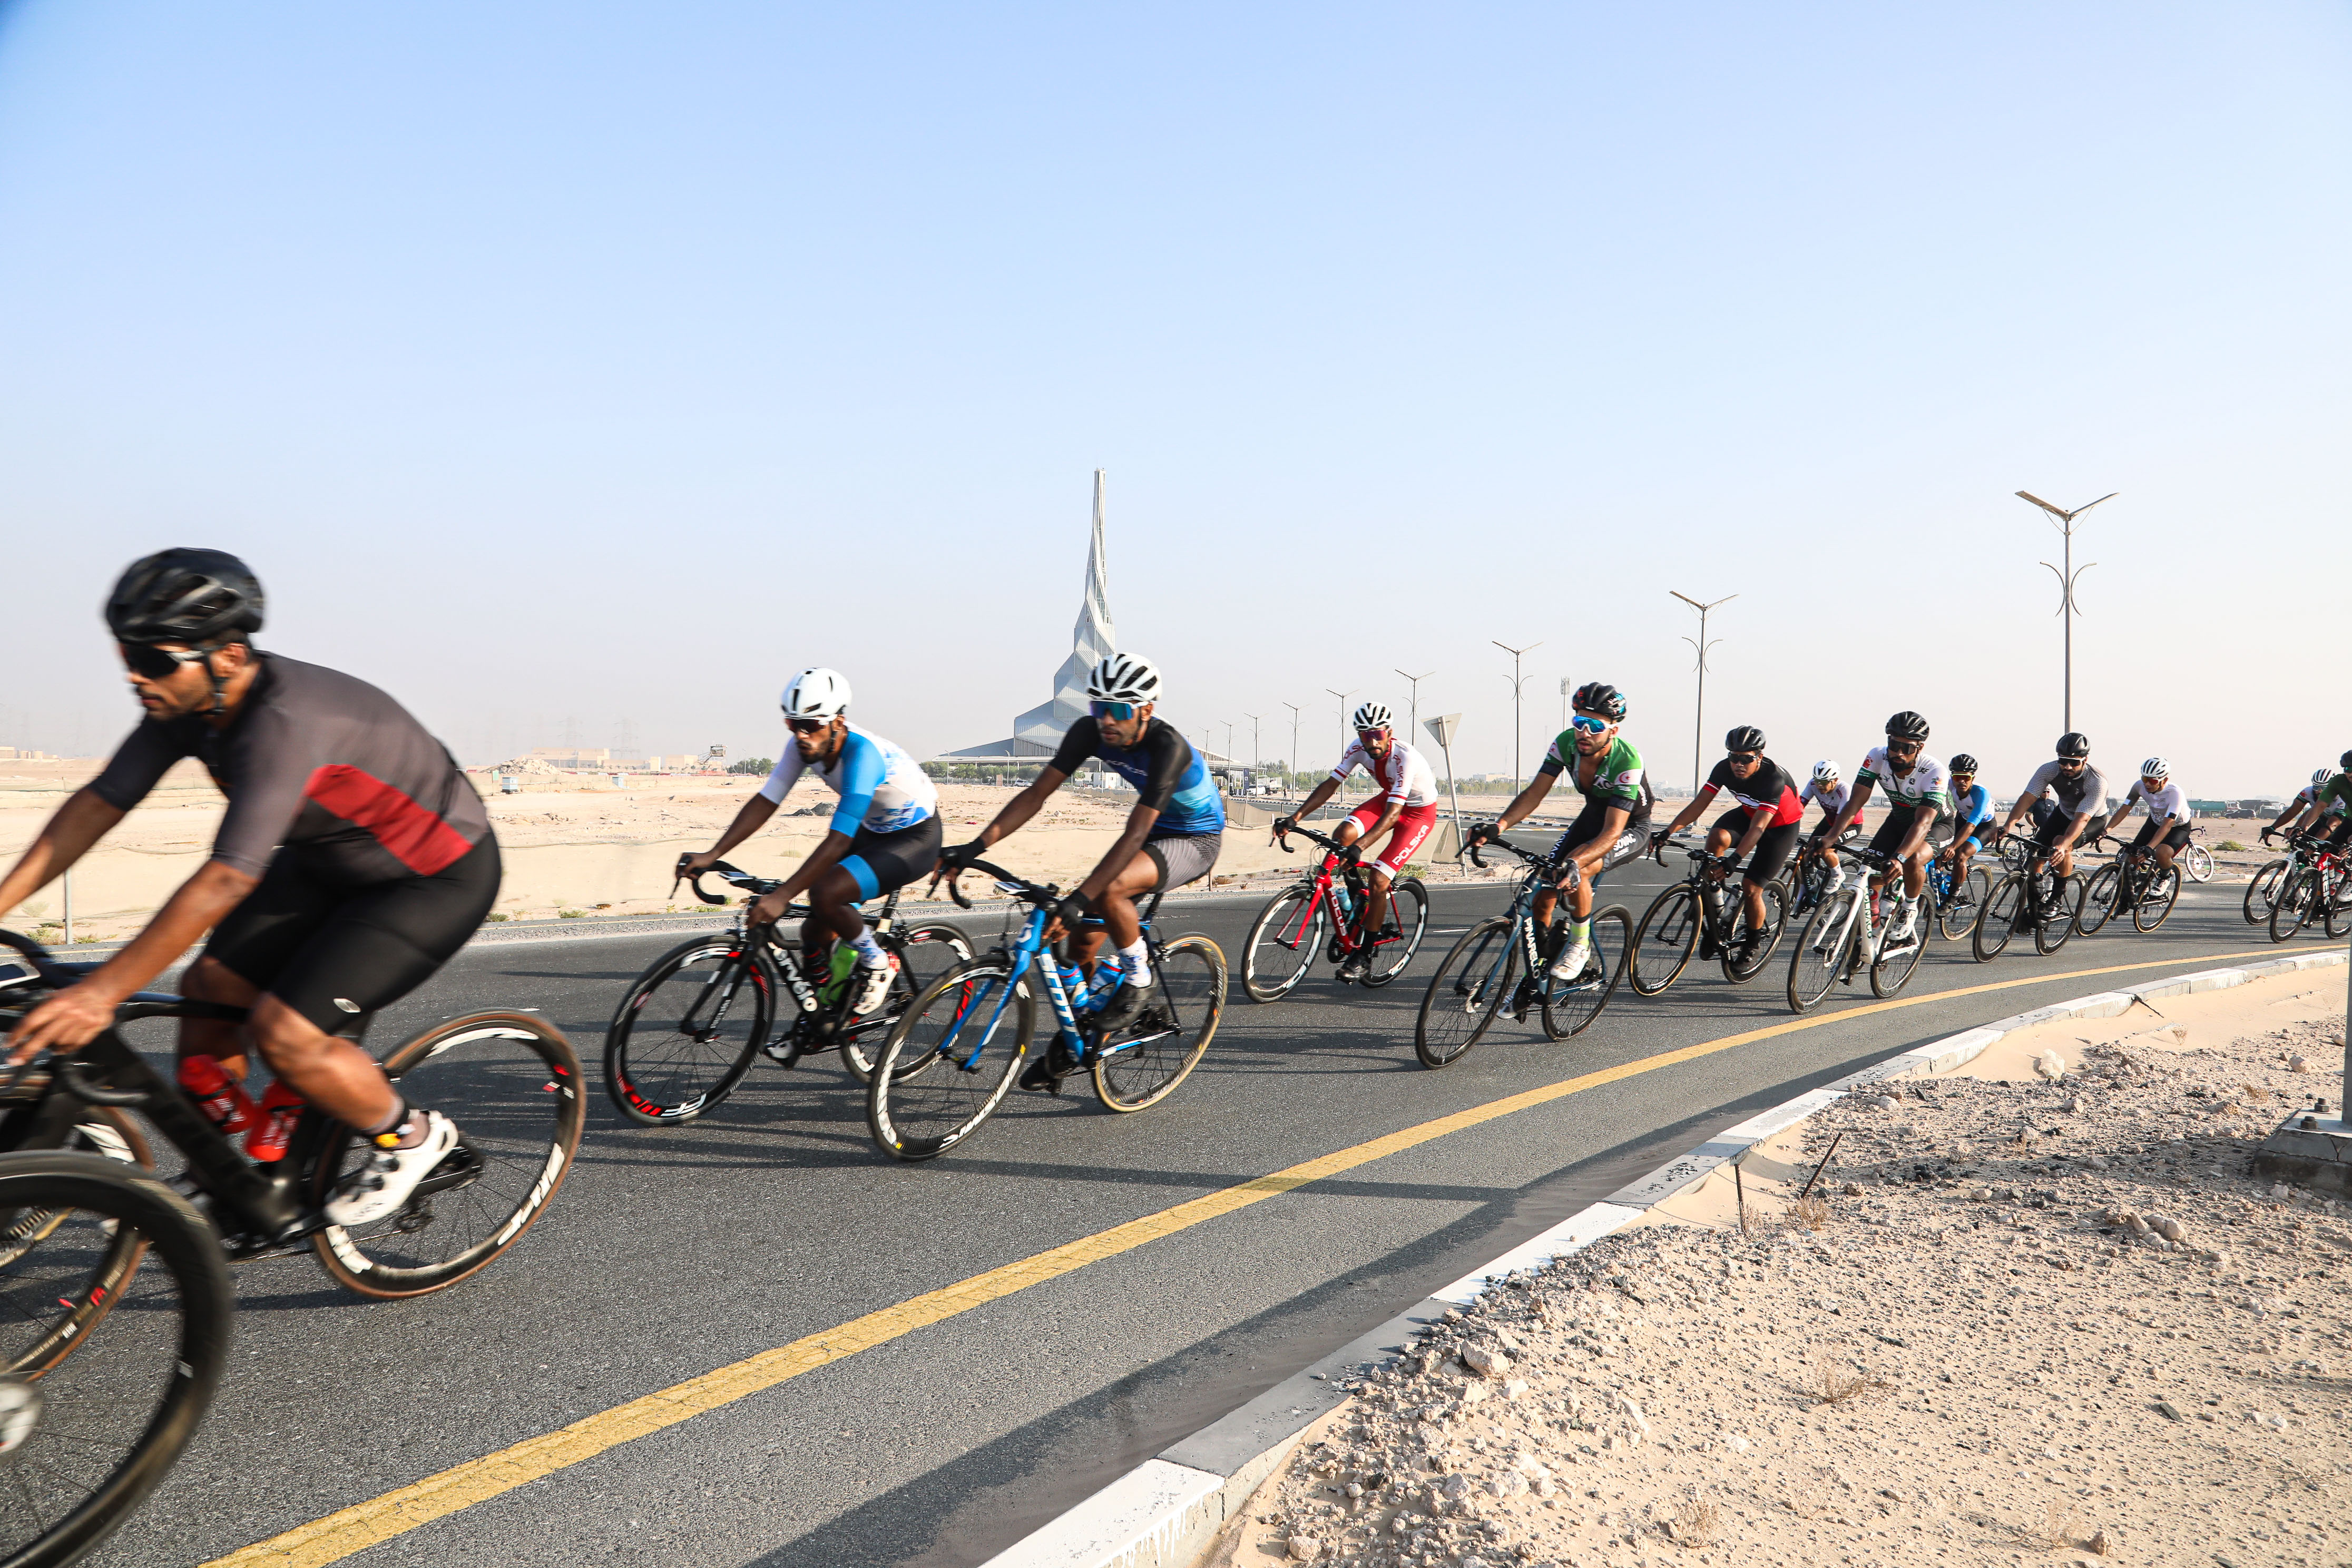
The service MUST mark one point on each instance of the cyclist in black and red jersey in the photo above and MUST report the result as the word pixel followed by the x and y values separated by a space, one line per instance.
pixel 1766 821
pixel 354 861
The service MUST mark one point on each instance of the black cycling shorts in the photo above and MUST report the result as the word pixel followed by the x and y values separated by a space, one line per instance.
pixel 2342 833
pixel 335 952
pixel 879 862
pixel 1631 844
pixel 1896 829
pixel 2178 838
pixel 1773 845
pixel 1184 857
pixel 2049 820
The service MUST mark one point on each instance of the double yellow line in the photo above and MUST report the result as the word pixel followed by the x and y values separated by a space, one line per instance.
pixel 355 1529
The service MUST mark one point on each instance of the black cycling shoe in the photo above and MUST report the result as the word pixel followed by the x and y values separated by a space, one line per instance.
pixel 1125 1003
pixel 1525 997
pixel 1355 966
pixel 1748 948
pixel 1710 948
pixel 1047 1071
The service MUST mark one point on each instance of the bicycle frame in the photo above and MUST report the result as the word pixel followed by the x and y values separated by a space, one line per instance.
pixel 1029 954
pixel 1540 875
pixel 1319 879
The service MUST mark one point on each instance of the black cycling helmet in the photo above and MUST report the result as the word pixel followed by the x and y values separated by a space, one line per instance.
pixel 185 595
pixel 2074 744
pixel 1907 726
pixel 1599 696
pixel 1964 764
pixel 2345 761
pixel 1747 738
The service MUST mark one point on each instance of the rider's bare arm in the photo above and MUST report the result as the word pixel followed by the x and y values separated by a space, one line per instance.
pixel 78 1015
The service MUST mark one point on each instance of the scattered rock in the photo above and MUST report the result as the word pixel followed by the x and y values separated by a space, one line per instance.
pixel 2164 1407
pixel 1486 1362
pixel 1508 1483
pixel 2164 1226
pixel 1305 1548
pixel 1880 1101
pixel 2099 1545
pixel 1852 1189
pixel 2299 1064
pixel 2050 1065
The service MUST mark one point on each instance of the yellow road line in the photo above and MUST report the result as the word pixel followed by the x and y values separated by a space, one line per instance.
pixel 370 1524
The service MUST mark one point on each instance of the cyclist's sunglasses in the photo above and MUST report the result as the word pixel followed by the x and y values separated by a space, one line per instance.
pixel 806 726
pixel 1121 711
pixel 158 663
pixel 1905 747
pixel 1745 757
pixel 2073 762
pixel 1590 723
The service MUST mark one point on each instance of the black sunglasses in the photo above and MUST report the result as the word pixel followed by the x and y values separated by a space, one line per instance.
pixel 806 726
pixel 155 663
pixel 1745 756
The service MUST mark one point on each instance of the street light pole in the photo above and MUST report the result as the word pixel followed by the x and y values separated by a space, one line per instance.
pixel 1412 718
pixel 2067 607
pixel 1567 685
pixel 1253 719
pixel 1698 720
pixel 1519 683
pixel 1294 712
pixel 1343 697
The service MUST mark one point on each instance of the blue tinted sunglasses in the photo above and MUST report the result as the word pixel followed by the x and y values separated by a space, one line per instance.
pixel 1122 711
pixel 1589 724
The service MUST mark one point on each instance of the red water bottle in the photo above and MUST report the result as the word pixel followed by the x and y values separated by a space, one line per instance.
pixel 217 1095
pixel 280 1109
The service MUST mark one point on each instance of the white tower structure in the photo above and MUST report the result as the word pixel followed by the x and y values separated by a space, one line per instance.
pixel 1091 641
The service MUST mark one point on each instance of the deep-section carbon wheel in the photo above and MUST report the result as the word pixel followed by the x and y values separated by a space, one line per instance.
pixel 1473 982
pixel 925 952
pixel 949 1061
pixel 685 1033
pixel 1900 956
pixel 511 1084
pixel 1820 956
pixel 83 1440
pixel 1739 971
pixel 1142 1064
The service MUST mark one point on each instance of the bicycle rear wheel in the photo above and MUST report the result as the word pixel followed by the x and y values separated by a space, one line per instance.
pixel 511 1084
pixel 2156 898
pixel 1569 1007
pixel 1283 941
pixel 83 1444
pixel 1776 920
pixel 925 952
pixel 1408 910
pixel 2062 903
pixel 2338 893
pixel 1663 945
pixel 1959 917
pixel 1165 1042
pixel 1473 982
pixel 957 1030
pixel 2293 909
pixel 1822 948
pixel 2101 895
pixel 2199 862
pixel 684 1034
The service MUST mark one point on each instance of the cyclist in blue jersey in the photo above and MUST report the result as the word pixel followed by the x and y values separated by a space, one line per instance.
pixel 1172 837
pixel 884 834
pixel 1972 828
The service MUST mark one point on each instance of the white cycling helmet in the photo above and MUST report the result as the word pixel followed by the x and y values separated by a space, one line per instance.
pixel 2322 775
pixel 1374 715
pixel 1826 772
pixel 2155 768
pixel 1124 678
pixel 817 693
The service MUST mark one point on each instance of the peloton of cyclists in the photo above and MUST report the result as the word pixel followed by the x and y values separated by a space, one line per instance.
pixel 884 834
pixel 1914 787
pixel 1829 790
pixel 1765 820
pixel 1405 808
pixel 1972 829
pixel 354 861
pixel 1172 834
pixel 2166 832
pixel 2065 797
pixel 1612 828
pixel 2302 798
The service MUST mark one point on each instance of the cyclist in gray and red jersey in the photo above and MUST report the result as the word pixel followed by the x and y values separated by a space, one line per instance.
pixel 353 860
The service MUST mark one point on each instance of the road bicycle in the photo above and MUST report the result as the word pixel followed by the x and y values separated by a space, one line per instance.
pixel 956 1048
pixel 1803 880
pixel 691 1026
pixel 2030 899
pixel 1960 903
pixel 2131 882
pixel 1473 982
pixel 81 1210
pixel 2261 891
pixel 1322 913
pixel 2196 859
pixel 1699 907
pixel 1851 931
pixel 2316 892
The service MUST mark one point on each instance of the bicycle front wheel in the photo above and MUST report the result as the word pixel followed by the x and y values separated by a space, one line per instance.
pixel 925 952
pixel 83 1444
pixel 1895 961
pixel 1165 1042
pixel 2263 892
pixel 2293 909
pixel 2004 909
pixel 2339 907
pixel 2199 862
pixel 1821 949
pixel 2155 902
pixel 947 1064
pixel 1664 943
pixel 1569 1007
pixel 1739 971
pixel 1959 917
pixel 511 1084
pixel 2062 901
pixel 1472 984
pixel 2100 896
pixel 1283 941
pixel 684 1034
pixel 1408 910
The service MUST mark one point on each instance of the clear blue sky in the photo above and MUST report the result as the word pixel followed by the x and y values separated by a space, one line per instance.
pixel 593 362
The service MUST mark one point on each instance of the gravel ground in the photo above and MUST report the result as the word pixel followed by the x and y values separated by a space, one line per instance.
pixel 2032 1321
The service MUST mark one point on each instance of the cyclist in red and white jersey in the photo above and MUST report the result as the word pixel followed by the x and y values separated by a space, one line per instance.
pixel 1766 818
pixel 1404 807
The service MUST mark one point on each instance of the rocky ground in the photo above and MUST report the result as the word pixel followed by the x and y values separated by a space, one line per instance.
pixel 2018 1322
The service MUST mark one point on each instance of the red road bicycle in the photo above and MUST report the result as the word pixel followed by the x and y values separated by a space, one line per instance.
pixel 1322 912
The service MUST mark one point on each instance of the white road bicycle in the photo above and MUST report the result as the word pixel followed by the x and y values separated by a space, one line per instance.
pixel 1846 936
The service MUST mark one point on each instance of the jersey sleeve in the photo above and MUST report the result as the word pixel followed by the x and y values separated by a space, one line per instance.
pixel 1354 757
pixel 2338 792
pixel 1170 754
pixel 784 775
pixel 1556 755
pixel 138 764
pixel 1718 777
pixel 269 795
pixel 1081 741
pixel 862 769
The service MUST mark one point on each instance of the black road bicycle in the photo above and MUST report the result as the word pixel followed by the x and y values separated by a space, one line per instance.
pixel 1475 979
pixel 2039 900
pixel 691 1026
pixel 2131 883
pixel 1702 907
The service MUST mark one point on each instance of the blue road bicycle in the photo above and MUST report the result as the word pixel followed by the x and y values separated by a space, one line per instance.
pixel 1475 982
pixel 956 1049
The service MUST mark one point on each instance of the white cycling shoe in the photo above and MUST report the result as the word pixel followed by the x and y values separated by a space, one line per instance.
pixel 387 1180
pixel 1572 964
pixel 873 984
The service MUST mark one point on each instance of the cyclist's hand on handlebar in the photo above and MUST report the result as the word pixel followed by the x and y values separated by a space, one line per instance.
pixel 957 858
pixel 1486 831
pixel 74 1016
pixel 768 909
pixel 691 865
pixel 1068 915
pixel 2265 835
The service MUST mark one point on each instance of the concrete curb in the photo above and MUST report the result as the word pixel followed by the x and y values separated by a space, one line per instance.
pixel 1167 1512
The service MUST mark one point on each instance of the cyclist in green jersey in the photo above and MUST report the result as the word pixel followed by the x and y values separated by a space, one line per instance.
pixel 2333 799
pixel 2320 780
pixel 1614 826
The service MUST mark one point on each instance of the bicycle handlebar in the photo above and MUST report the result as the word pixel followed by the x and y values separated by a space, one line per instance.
pixel 1283 835
pixel 733 876
pixel 1036 892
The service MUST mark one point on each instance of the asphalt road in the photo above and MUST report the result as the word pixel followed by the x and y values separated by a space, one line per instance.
pixel 672 1252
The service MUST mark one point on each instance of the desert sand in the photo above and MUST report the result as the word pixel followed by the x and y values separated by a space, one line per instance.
pixel 2021 1320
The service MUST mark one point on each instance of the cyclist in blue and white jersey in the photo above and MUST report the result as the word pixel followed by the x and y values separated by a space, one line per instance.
pixel 1913 782
pixel 884 834
pixel 1172 836
pixel 1829 790
pixel 1972 827
pixel 2305 798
